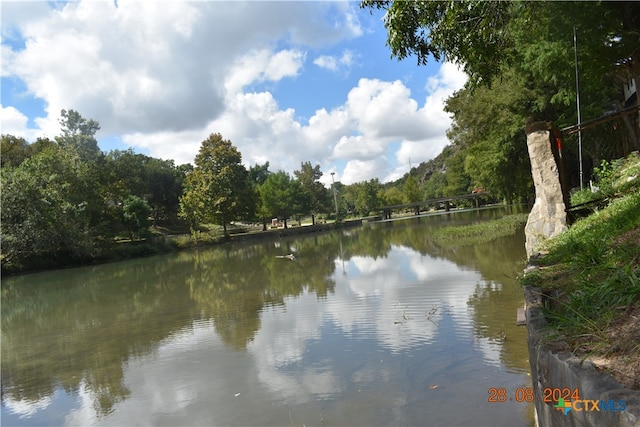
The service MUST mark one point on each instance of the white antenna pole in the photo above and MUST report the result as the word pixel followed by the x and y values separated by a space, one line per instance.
pixel 575 50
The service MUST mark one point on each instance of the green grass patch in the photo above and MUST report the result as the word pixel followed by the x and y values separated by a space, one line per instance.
pixel 480 232
pixel 591 272
pixel 614 178
pixel 587 242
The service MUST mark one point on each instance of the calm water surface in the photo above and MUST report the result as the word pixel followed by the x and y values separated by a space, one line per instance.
pixel 376 325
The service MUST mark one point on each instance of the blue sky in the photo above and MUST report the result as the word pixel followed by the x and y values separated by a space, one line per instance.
pixel 286 82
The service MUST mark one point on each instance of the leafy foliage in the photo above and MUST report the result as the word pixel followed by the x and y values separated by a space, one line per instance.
pixel 157 181
pixel 14 150
pixel 616 177
pixel 318 196
pixel 410 190
pixel 470 33
pixel 79 133
pixel 391 196
pixel 283 196
pixel 50 209
pixel 218 189
pixel 367 197
pixel 135 214
pixel 64 201
pixel 521 63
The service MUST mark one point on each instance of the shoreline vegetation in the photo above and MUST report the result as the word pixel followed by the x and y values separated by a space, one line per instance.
pixel 65 203
pixel 481 232
pixel 590 274
pixel 173 237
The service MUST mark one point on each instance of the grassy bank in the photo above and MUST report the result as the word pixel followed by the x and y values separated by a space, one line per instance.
pixel 591 274
pixel 481 232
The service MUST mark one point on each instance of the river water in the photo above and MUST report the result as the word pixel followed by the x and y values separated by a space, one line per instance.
pixel 374 325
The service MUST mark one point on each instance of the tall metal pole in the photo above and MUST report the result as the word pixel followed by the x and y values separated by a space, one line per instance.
pixel 333 187
pixel 575 50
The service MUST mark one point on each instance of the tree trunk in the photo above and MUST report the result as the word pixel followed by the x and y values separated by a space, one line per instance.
pixel 632 23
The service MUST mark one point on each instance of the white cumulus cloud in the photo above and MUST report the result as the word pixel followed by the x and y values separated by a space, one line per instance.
pixel 336 63
pixel 162 76
pixel 13 122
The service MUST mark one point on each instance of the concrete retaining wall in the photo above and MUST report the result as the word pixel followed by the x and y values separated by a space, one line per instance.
pixel 602 400
pixel 568 391
pixel 295 230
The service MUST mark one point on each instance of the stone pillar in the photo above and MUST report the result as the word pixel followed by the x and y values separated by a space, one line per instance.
pixel 548 217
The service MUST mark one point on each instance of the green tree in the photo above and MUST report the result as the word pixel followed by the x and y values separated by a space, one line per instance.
pixel 458 181
pixel 159 182
pixel 534 39
pixel 192 203
pixel 282 196
pixel 348 196
pixel 488 132
pixel 488 37
pixel 218 189
pixel 410 191
pixel 165 188
pixel 41 144
pixel 472 33
pixel 135 215
pixel 14 150
pixel 319 197
pixel 50 210
pixel 607 36
pixel 391 196
pixel 258 174
pixel 367 197
pixel 125 174
pixel 79 133
pixel 433 188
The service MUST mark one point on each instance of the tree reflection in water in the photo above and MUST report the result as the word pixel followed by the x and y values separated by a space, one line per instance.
pixel 77 329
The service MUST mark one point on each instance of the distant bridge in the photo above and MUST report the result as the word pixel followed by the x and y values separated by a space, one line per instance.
pixel 446 201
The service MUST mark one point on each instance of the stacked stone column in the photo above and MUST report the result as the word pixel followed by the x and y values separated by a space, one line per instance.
pixel 548 217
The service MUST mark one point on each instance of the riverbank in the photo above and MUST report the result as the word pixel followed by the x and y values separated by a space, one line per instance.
pixel 164 240
pixel 582 302
pixel 169 239
pixel 590 278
